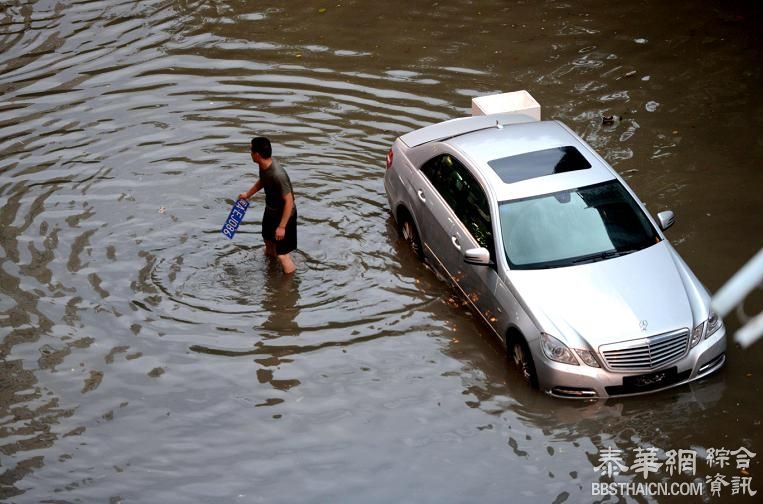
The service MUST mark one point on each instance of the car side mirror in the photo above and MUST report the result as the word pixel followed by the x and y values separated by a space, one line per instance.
pixel 479 256
pixel 666 219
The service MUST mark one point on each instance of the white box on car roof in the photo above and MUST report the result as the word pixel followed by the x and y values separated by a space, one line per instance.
pixel 487 111
pixel 516 102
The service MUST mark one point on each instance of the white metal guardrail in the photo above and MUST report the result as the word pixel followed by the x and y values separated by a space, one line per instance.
pixel 733 294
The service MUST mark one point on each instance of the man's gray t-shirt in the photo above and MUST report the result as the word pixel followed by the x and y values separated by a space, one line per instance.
pixel 277 184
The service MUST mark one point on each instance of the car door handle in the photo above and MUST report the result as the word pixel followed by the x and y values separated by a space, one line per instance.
pixel 421 196
pixel 454 241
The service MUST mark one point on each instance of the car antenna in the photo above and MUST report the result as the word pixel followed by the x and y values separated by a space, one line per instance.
pixel 498 124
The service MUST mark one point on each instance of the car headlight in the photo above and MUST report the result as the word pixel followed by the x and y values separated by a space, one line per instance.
pixel 556 350
pixel 587 357
pixel 714 323
pixel 696 334
pixel 708 328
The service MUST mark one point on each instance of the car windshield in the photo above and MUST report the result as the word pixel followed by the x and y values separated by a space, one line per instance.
pixel 575 226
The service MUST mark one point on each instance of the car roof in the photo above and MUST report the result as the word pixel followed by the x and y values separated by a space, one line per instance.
pixel 459 126
pixel 478 148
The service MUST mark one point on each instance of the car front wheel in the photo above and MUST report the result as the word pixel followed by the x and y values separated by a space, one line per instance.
pixel 523 360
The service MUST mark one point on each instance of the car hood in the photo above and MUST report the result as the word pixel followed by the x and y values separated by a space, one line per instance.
pixel 607 301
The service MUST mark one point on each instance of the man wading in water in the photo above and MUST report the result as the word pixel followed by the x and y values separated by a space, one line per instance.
pixel 279 222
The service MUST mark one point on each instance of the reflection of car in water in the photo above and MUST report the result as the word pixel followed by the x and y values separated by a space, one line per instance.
pixel 556 253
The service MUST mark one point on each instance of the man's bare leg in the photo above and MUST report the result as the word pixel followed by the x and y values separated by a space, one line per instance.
pixel 270 248
pixel 287 264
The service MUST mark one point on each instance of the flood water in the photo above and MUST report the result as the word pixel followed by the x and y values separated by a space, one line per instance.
pixel 146 358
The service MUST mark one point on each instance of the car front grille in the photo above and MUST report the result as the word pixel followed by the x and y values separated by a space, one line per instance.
pixel 646 353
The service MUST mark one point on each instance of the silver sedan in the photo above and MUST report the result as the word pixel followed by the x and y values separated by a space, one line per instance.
pixel 556 254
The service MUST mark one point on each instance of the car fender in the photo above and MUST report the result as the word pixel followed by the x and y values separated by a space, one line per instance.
pixel 516 317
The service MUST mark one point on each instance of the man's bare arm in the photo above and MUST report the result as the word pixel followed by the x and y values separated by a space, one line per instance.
pixel 248 194
pixel 287 208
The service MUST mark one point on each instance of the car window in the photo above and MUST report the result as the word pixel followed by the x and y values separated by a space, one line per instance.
pixel 464 195
pixel 574 226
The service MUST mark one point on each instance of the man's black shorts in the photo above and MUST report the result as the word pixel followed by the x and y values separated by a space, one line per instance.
pixel 270 221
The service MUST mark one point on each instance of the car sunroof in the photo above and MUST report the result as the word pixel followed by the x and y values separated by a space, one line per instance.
pixel 539 164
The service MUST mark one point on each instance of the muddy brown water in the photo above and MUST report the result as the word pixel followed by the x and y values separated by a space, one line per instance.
pixel 146 358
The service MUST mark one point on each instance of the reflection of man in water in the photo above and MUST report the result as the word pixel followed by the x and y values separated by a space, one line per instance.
pixel 279 222
pixel 280 300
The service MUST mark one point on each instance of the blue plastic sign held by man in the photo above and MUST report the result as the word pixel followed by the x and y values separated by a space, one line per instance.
pixel 234 218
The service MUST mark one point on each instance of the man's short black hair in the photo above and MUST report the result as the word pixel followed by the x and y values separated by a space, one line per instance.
pixel 261 146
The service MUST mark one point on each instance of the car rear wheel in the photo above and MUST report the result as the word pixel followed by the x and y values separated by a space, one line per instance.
pixel 523 360
pixel 411 236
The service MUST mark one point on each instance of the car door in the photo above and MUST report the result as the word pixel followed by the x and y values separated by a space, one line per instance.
pixel 474 228
pixel 434 216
